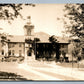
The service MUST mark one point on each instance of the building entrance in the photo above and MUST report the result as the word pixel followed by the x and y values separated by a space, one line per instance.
pixel 29 52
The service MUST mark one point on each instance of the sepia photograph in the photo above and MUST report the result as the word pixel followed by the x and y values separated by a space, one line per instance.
pixel 41 42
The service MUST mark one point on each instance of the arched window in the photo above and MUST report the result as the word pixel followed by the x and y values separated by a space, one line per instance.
pixel 13 52
pixel 2 52
pixel 20 45
pixel 9 53
pixel 20 52
pixel 28 53
pixel 29 32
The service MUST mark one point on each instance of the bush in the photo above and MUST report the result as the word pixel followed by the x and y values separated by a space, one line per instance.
pixel 13 58
pixel 10 76
pixel 66 59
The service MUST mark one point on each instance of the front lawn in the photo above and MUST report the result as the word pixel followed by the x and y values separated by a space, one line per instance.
pixel 5 76
pixel 71 65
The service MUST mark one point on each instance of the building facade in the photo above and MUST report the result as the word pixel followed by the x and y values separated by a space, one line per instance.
pixel 16 49
pixel 22 46
pixel 46 50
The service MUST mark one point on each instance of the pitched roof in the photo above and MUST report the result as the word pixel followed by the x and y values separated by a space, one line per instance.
pixel 43 38
pixel 17 38
pixel 62 39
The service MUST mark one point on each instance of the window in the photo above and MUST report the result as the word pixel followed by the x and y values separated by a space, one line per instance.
pixel 20 45
pixel 2 44
pixel 9 45
pixel 47 45
pixel 12 45
pixel 29 53
pixel 62 46
pixel 43 45
pixel 13 52
pixel 2 52
pixel 9 53
pixel 43 52
pixel 37 46
pixel 29 32
pixel 20 52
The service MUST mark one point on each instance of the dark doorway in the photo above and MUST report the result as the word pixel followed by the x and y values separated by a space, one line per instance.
pixel 28 53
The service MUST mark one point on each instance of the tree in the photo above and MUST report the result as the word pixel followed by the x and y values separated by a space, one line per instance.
pixel 3 39
pixel 74 23
pixel 28 41
pixel 76 48
pixel 11 11
pixel 34 43
pixel 75 15
pixel 36 39
pixel 53 40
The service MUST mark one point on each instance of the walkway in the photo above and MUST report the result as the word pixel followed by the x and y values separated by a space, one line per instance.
pixel 42 71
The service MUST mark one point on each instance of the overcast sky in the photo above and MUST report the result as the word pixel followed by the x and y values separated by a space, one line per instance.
pixel 43 17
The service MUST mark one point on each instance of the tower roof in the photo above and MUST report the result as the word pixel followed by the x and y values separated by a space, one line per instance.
pixel 28 24
pixel 29 20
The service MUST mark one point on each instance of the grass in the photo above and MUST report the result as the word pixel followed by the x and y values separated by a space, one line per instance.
pixel 5 76
pixel 71 65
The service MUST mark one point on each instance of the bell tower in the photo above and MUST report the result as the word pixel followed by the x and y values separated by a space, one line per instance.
pixel 29 37
pixel 29 29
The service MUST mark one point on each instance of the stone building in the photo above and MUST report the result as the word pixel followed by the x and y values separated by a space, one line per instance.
pixel 22 45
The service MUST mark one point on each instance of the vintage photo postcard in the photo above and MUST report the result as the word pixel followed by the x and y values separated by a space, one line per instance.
pixel 41 42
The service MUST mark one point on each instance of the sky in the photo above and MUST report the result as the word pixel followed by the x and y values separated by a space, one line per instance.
pixel 43 17
pixel 42 1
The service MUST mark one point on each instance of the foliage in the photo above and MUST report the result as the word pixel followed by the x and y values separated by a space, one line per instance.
pixel 4 38
pixel 36 39
pixel 75 19
pixel 52 39
pixel 11 11
pixel 76 50
pixel 74 25
pixel 5 12
pixel 34 43
pixel 28 41
pixel 7 76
